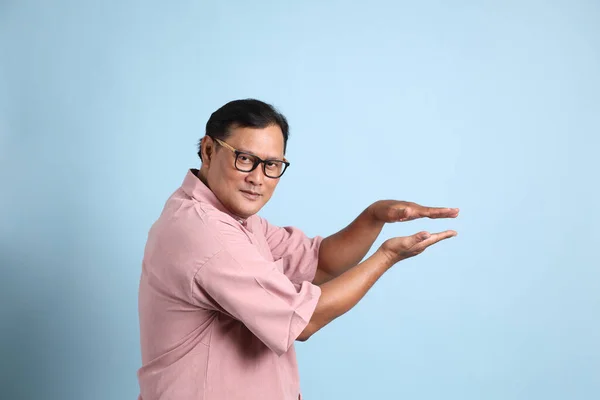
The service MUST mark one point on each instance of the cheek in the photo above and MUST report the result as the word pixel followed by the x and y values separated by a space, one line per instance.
pixel 271 187
pixel 223 179
pixel 230 176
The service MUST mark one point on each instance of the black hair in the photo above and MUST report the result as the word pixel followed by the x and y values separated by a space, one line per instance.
pixel 246 113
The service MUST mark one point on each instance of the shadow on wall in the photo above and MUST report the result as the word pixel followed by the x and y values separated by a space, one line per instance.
pixel 36 344
pixel 68 306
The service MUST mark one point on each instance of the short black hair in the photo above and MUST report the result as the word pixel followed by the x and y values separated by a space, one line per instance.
pixel 245 113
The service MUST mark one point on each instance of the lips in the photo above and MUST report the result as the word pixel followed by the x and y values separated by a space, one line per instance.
pixel 250 194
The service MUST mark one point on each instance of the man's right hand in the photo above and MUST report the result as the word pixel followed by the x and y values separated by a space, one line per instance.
pixel 401 248
pixel 341 293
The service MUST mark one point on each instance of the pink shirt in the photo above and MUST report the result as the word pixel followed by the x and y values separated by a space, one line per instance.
pixel 221 302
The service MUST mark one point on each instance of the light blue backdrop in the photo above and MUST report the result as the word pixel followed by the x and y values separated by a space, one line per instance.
pixel 491 108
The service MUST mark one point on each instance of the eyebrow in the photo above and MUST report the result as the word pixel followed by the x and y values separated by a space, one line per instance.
pixel 256 155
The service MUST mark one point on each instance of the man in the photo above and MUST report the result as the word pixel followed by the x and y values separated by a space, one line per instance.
pixel 224 294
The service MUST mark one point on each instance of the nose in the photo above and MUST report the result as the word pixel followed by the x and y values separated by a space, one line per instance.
pixel 256 176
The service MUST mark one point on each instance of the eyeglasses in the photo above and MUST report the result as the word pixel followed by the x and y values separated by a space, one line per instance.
pixel 247 162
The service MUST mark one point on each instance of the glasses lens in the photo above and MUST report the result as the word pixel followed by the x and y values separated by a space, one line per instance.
pixel 245 162
pixel 274 168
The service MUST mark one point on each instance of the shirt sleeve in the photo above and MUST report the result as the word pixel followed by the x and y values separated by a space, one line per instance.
pixel 300 253
pixel 247 287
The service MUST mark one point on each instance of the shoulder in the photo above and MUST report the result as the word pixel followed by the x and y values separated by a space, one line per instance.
pixel 267 228
pixel 190 231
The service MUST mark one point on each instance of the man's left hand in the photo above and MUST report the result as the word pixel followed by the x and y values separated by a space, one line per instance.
pixel 400 211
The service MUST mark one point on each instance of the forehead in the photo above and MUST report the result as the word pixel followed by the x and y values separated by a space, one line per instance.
pixel 264 142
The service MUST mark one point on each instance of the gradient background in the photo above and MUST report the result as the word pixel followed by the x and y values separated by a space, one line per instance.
pixel 493 108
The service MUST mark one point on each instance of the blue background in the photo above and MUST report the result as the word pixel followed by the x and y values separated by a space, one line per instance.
pixel 490 107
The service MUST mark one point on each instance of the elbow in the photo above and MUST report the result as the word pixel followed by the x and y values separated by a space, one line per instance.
pixel 306 333
pixel 303 337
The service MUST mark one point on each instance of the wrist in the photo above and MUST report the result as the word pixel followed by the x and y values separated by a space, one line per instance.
pixel 371 216
pixel 387 258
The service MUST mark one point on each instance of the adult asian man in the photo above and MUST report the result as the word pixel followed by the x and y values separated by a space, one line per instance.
pixel 224 293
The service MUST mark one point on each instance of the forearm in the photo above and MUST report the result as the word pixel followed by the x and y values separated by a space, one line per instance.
pixel 346 248
pixel 342 293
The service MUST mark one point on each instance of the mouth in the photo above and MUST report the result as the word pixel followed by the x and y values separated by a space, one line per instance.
pixel 250 194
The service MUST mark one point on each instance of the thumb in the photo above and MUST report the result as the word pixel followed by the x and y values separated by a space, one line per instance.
pixel 421 236
pixel 400 214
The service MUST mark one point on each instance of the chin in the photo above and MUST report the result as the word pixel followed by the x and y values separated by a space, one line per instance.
pixel 246 210
pixel 250 211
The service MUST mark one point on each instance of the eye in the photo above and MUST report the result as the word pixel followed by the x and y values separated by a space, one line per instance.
pixel 245 159
pixel 274 165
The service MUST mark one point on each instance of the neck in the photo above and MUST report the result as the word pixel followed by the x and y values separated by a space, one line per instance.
pixel 202 176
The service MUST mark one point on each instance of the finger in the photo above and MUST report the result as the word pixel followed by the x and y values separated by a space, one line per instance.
pixel 438 212
pixel 433 239
pixel 437 237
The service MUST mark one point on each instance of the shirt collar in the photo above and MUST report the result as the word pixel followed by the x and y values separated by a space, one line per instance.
pixel 195 188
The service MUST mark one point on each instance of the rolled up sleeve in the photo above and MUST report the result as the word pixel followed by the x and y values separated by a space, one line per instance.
pixel 254 291
pixel 299 252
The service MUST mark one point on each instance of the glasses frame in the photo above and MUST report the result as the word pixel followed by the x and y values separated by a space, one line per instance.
pixel 257 161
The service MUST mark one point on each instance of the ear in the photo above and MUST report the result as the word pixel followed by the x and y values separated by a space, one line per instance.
pixel 207 149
